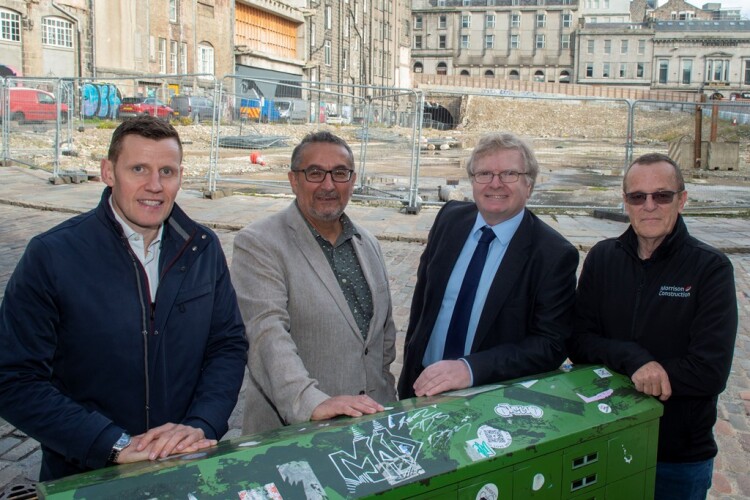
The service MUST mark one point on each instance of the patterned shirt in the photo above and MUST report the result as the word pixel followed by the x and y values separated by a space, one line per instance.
pixel 345 265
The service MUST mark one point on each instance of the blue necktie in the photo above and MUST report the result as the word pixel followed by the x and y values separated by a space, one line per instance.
pixel 456 338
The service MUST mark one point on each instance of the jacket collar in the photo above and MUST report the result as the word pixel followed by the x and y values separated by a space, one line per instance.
pixel 178 226
pixel 674 240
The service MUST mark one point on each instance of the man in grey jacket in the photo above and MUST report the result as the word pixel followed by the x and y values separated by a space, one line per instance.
pixel 314 296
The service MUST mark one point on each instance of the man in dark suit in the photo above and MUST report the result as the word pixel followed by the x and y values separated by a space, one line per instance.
pixel 511 316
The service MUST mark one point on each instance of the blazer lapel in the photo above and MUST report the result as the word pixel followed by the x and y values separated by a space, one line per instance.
pixel 311 251
pixel 505 280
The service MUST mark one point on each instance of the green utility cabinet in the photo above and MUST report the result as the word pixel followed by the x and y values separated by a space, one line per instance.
pixel 582 434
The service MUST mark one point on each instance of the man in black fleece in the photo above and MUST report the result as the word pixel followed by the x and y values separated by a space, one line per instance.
pixel 661 307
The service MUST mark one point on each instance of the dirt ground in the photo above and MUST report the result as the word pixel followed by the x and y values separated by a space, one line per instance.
pixel 580 148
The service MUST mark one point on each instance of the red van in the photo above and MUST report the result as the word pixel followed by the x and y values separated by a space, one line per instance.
pixel 33 105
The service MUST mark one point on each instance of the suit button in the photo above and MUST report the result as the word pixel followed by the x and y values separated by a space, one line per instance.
pixel 361 392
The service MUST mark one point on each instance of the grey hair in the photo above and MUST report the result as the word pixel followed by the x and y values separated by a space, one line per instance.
pixel 650 159
pixel 498 141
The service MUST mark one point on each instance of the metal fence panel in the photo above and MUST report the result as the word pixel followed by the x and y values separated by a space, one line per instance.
pixel 710 141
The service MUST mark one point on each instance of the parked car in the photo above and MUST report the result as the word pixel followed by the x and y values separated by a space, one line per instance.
pixel 739 96
pixel 137 106
pixel 33 105
pixel 194 107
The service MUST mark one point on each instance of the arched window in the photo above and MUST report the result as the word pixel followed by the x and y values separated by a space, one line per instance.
pixel 442 68
pixel 10 26
pixel 205 58
pixel 464 72
pixel 564 77
pixel 489 74
pixel 539 76
pixel 418 68
pixel 513 75
pixel 57 32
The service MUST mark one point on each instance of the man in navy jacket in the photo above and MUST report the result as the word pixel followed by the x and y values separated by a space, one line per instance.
pixel 120 335
pixel 660 306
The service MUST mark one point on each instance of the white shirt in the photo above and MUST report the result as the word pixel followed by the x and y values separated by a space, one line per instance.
pixel 148 257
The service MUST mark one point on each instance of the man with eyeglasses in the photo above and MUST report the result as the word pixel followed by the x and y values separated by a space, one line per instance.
pixel 314 295
pixel 495 285
pixel 660 306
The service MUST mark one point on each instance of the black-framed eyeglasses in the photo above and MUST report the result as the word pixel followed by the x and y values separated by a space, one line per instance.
pixel 506 176
pixel 318 175
pixel 659 197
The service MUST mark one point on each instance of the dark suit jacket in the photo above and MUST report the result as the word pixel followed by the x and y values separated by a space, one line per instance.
pixel 528 313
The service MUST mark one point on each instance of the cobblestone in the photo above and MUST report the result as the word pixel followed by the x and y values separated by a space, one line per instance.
pixel 28 205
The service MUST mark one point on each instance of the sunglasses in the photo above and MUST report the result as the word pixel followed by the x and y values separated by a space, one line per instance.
pixel 659 197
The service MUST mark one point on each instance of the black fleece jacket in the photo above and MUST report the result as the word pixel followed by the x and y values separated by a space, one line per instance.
pixel 678 308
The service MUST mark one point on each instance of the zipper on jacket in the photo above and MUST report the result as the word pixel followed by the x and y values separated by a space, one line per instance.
pixel 145 315
pixel 637 304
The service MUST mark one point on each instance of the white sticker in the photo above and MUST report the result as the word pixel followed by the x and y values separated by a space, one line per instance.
pixel 488 492
pixel 596 397
pixel 537 482
pixel 479 449
pixel 604 408
pixel 496 438
pixel 505 410
pixel 527 383
pixel 602 372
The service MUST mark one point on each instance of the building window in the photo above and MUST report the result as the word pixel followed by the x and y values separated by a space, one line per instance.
pixel 539 76
pixel 567 20
pixel 623 46
pixel 541 20
pixel 442 22
pixel 327 52
pixel 623 70
pixel 489 41
pixel 173 11
pixel 747 72
pixel 442 68
pixel 417 22
pixel 639 70
pixel 513 75
pixel 417 41
pixel 540 41
pixel 489 74
pixel 564 41
pixel 589 46
pixel 663 70
pixel 441 3
pixel 418 68
pixel 162 55
pixel 467 3
pixel 589 70
pixel 687 70
pixel 605 70
pixel 173 57
pixel 10 26
pixel 346 28
pixel 641 47
pixel 344 59
pixel 515 42
pixel 183 58
pixel 717 70
pixel 465 41
pixel 328 20
pixel 489 21
pixel 312 36
pixel 607 46
pixel 515 20
pixel 441 41
pixel 57 32
pixel 466 20
pixel 205 58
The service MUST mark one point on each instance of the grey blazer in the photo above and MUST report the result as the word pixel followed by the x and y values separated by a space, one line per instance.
pixel 305 345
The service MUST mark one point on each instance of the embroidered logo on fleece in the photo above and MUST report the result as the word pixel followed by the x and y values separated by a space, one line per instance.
pixel 675 291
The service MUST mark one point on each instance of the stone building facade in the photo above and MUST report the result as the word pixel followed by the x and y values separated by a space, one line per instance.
pixel 507 39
